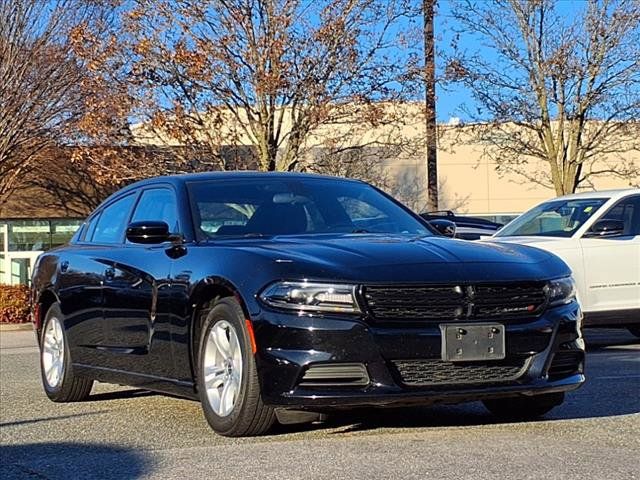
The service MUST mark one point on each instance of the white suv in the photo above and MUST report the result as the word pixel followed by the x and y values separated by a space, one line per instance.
pixel 598 235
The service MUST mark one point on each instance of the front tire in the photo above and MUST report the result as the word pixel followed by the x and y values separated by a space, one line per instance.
pixel 59 382
pixel 228 383
pixel 524 408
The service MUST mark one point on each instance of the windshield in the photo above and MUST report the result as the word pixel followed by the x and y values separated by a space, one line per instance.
pixel 281 206
pixel 557 218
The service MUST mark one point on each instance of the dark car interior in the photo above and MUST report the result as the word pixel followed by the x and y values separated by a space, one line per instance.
pixel 293 209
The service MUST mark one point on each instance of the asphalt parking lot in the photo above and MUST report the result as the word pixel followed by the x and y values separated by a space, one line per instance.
pixel 128 433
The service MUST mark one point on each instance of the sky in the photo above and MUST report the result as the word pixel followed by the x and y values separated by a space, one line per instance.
pixel 451 98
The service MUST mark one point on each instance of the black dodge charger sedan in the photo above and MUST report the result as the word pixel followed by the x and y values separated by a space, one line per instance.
pixel 270 296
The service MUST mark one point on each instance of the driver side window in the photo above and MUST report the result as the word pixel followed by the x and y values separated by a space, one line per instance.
pixel 158 204
pixel 627 211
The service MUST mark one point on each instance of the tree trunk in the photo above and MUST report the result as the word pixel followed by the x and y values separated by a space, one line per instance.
pixel 430 105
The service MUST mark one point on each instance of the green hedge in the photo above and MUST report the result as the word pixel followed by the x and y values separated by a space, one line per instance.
pixel 14 304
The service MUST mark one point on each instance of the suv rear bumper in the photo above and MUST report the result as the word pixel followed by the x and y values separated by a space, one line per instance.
pixel 289 346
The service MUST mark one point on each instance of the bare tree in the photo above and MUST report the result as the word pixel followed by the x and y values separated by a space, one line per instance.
pixel 68 188
pixel 554 86
pixel 411 187
pixel 366 141
pixel 40 82
pixel 264 73
pixel 362 164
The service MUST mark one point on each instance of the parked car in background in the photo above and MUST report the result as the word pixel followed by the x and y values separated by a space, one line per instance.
pixel 466 228
pixel 269 296
pixel 598 235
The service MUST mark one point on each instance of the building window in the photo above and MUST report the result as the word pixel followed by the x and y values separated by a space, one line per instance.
pixel 21 241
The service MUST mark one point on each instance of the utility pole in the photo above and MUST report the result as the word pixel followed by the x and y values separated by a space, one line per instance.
pixel 428 12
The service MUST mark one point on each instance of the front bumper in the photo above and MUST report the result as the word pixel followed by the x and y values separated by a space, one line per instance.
pixel 289 345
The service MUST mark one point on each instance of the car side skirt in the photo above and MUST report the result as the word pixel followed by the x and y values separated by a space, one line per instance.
pixel 153 383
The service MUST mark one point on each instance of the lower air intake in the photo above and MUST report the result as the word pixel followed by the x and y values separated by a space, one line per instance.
pixel 440 372
pixel 565 364
pixel 336 375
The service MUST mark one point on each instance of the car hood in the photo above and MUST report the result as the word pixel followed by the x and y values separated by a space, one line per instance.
pixel 402 258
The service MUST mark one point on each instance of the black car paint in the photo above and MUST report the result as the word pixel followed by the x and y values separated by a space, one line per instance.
pixel 462 221
pixel 467 228
pixel 132 312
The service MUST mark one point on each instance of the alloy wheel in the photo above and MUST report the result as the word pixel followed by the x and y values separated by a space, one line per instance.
pixel 53 352
pixel 222 368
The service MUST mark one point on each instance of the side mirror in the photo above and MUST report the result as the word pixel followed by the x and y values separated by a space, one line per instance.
pixel 606 228
pixel 444 227
pixel 148 232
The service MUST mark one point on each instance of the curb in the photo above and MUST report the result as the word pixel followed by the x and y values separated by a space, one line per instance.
pixel 15 327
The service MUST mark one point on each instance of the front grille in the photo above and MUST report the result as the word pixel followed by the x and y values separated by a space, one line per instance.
pixel 455 302
pixel 440 372
pixel 565 364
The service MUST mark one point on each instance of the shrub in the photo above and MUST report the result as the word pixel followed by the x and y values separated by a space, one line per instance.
pixel 14 304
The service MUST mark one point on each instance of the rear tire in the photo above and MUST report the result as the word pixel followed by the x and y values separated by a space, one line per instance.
pixel 524 408
pixel 228 383
pixel 58 379
pixel 635 330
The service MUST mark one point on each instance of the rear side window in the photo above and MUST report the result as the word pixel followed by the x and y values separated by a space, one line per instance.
pixel 158 204
pixel 113 221
pixel 90 228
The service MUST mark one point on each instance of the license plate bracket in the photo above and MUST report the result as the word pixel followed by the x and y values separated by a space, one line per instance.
pixel 473 342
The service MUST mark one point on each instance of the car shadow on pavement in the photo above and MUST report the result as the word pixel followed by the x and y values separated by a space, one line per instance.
pixel 48 419
pixel 71 460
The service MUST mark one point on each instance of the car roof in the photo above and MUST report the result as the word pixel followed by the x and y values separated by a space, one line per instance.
pixel 228 175
pixel 618 193
pixel 194 177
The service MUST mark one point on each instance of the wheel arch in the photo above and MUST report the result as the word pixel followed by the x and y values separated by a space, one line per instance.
pixel 41 306
pixel 205 295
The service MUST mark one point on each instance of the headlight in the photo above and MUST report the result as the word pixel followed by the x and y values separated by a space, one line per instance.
pixel 561 291
pixel 311 297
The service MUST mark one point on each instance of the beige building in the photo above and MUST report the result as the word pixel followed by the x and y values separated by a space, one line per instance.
pixel 471 183
pixel 392 155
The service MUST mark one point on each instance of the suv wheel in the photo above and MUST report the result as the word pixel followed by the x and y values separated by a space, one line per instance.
pixel 60 383
pixel 524 408
pixel 227 376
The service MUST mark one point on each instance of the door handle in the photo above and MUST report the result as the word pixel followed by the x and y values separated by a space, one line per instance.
pixel 64 266
pixel 110 273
